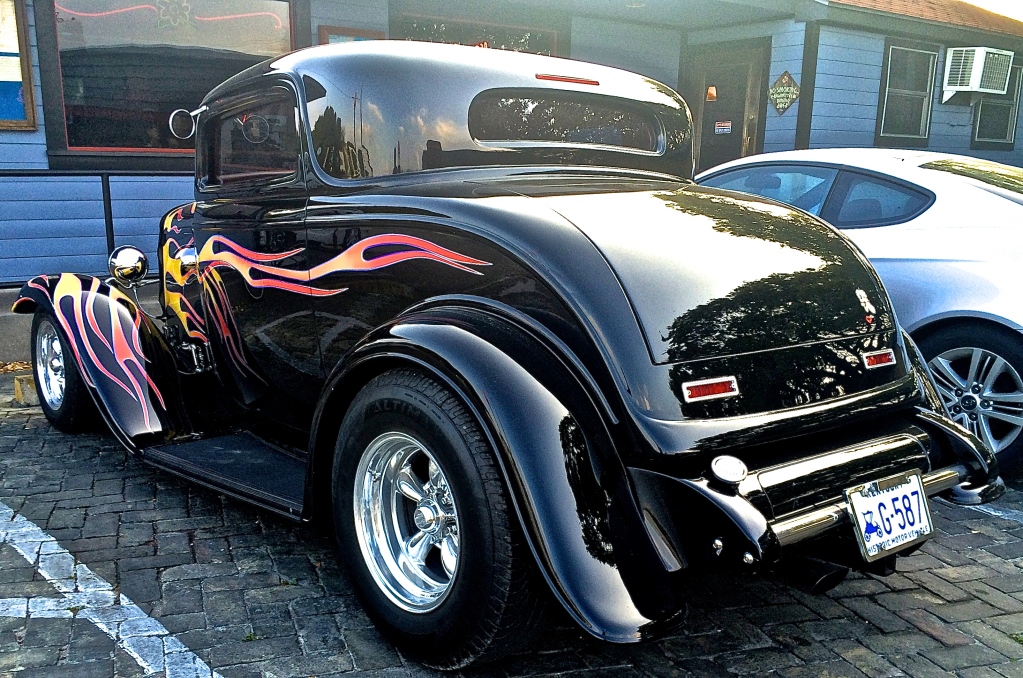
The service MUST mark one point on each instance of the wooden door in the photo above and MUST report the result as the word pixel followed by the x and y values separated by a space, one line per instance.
pixel 728 95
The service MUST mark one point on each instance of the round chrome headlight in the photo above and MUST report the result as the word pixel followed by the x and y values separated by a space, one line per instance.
pixel 128 265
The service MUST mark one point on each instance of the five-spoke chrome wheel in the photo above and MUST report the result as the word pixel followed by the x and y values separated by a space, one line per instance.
pixel 983 392
pixel 49 359
pixel 406 522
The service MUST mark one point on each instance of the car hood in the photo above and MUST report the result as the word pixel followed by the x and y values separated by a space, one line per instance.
pixel 712 274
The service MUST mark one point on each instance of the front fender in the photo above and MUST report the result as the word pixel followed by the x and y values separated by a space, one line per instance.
pixel 126 365
pixel 573 500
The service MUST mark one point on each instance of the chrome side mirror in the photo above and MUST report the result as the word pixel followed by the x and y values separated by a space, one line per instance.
pixel 182 122
pixel 128 266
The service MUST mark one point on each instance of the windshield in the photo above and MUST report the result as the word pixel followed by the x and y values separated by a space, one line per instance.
pixel 993 174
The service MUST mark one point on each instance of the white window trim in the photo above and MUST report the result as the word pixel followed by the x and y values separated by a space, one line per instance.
pixel 1013 117
pixel 928 95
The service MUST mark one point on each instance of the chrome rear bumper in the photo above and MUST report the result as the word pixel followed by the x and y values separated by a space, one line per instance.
pixel 818 521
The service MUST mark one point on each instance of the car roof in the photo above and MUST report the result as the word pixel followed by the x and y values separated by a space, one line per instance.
pixel 894 161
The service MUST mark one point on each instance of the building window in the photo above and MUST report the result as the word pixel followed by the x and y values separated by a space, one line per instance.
pixel 17 104
pixel 125 66
pixel 907 91
pixel 994 117
pixel 496 36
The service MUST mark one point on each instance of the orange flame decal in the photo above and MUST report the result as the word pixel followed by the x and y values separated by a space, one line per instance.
pixel 258 272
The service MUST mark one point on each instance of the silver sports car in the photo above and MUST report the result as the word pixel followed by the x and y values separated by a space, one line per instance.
pixel 945 232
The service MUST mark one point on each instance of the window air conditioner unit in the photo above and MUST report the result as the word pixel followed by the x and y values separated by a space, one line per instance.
pixel 977 69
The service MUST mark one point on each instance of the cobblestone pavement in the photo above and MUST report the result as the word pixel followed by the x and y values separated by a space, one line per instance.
pixel 254 595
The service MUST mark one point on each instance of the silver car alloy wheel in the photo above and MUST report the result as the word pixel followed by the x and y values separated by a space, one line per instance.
pixel 406 522
pixel 981 391
pixel 50 364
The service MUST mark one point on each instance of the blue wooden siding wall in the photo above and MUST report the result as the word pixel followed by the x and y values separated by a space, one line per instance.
pixel 54 224
pixel 849 65
pixel 786 55
pixel 848 80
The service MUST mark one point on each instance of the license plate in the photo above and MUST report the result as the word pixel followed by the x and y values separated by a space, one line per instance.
pixel 889 514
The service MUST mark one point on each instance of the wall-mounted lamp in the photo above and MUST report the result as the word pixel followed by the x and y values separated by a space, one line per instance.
pixel 712 93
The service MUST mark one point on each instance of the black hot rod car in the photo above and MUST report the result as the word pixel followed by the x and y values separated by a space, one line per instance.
pixel 468 305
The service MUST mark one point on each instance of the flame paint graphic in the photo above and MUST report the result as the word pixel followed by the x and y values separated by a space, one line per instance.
pixel 218 309
pixel 175 280
pixel 258 272
pixel 108 336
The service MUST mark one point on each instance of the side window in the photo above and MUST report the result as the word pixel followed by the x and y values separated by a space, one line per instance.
pixel 860 201
pixel 906 96
pixel 257 142
pixel 802 187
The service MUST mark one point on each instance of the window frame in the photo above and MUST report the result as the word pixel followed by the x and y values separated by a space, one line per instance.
pixel 62 157
pixel 207 140
pixel 839 191
pixel 995 144
pixel 901 140
pixel 30 123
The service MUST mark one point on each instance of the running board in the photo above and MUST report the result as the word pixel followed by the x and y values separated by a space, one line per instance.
pixel 240 465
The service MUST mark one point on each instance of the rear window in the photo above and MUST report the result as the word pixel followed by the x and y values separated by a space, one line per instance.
pixel 513 118
pixel 993 174
pixel 860 201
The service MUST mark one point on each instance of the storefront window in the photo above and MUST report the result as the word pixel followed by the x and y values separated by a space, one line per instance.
pixel 907 92
pixel 995 115
pixel 17 108
pixel 514 38
pixel 125 66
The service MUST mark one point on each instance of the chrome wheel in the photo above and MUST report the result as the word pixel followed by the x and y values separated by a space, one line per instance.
pixel 50 365
pixel 406 522
pixel 981 391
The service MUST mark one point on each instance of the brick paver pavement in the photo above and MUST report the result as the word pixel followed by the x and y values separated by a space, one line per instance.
pixel 255 595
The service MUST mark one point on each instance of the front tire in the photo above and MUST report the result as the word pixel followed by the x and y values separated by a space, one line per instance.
pixel 978 370
pixel 60 387
pixel 426 528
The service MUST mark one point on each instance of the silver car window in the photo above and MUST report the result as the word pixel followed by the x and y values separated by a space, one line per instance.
pixel 799 186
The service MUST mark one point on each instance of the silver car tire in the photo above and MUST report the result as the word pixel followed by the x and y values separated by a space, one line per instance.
pixel 426 528
pixel 978 370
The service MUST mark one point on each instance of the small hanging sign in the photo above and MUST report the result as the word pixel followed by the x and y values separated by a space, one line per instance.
pixel 723 127
pixel 783 92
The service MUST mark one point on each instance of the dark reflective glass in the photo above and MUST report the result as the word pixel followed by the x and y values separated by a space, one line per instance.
pixel 802 187
pixel 907 100
pixel 124 69
pixel 258 143
pixel 910 70
pixel 873 201
pixel 369 118
pixel 561 117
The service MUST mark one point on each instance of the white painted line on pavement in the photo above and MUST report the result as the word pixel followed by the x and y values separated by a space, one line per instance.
pixel 1008 514
pixel 89 596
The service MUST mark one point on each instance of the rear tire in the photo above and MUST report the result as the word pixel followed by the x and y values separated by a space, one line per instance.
pixel 62 392
pixel 411 467
pixel 978 370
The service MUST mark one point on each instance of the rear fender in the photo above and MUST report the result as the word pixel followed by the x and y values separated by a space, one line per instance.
pixel 568 486
pixel 124 361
